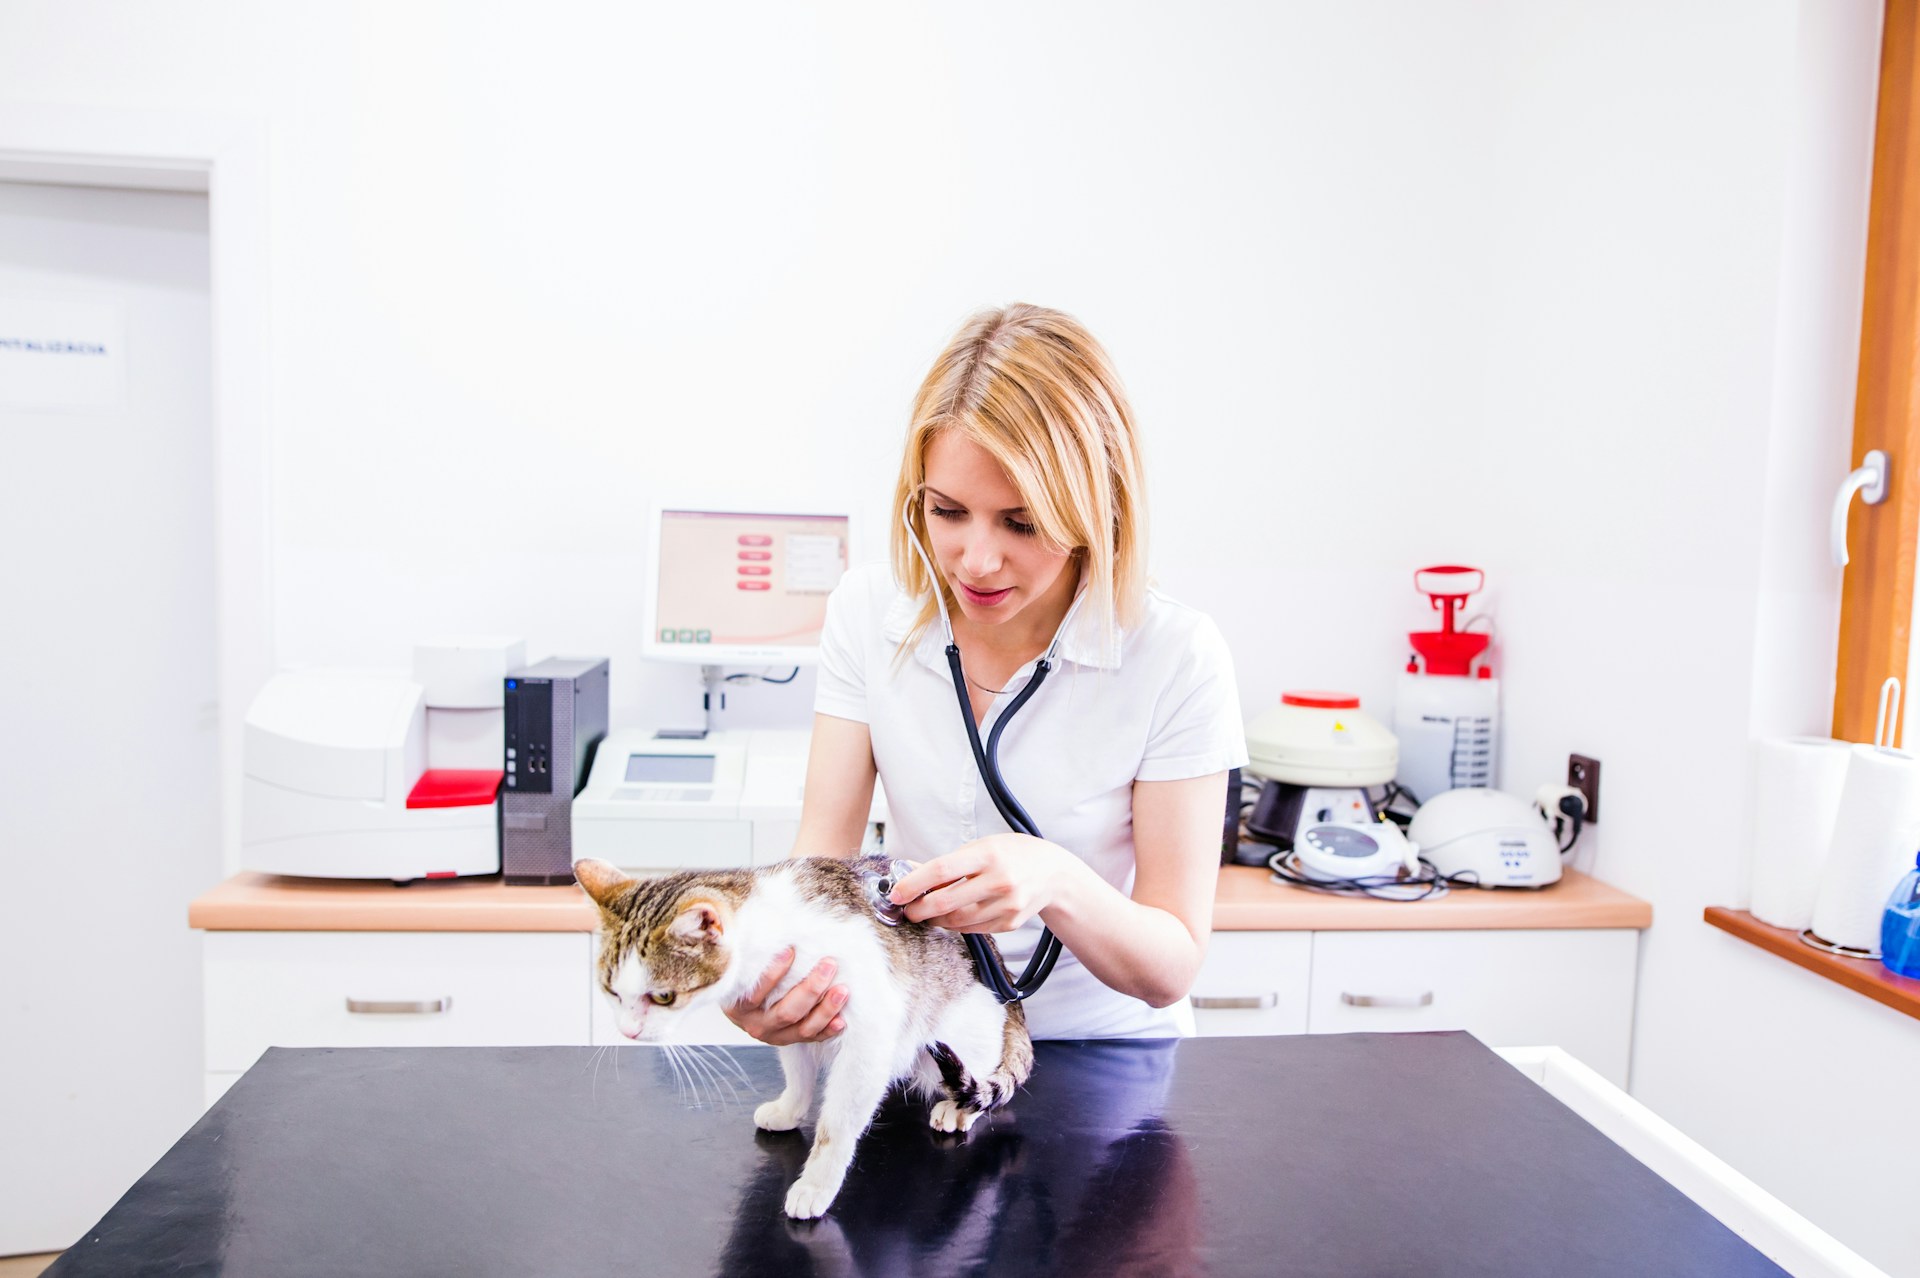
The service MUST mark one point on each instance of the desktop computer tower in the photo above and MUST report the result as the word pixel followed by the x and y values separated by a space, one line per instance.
pixel 556 714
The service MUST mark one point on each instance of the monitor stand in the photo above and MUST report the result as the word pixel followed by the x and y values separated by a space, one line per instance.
pixel 714 678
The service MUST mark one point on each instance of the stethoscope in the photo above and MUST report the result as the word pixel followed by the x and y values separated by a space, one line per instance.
pixel 987 759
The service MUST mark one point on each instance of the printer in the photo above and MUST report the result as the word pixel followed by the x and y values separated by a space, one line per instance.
pixel 729 798
pixel 377 775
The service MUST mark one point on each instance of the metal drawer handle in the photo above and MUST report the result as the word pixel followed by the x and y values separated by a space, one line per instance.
pixel 1209 1003
pixel 1388 1000
pixel 431 1006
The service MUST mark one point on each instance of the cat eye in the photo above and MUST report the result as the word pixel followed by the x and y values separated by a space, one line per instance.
pixel 661 998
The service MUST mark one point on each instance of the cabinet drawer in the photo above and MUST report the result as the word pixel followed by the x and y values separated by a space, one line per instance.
pixel 392 989
pixel 1253 983
pixel 1546 988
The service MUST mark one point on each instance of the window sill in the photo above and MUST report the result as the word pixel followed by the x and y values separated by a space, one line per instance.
pixel 1864 976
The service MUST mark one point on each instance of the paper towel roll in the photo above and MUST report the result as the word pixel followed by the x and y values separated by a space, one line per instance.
pixel 1797 786
pixel 1874 838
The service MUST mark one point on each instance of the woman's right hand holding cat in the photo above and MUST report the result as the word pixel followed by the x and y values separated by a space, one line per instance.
pixel 807 1013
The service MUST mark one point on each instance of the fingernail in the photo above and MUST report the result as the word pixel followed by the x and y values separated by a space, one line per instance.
pixel 837 1025
pixel 838 997
pixel 829 967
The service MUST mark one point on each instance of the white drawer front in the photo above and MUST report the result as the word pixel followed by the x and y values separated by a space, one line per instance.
pixel 1253 983
pixel 406 989
pixel 1552 988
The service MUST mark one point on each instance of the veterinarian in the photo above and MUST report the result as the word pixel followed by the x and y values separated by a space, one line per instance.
pixel 1022 482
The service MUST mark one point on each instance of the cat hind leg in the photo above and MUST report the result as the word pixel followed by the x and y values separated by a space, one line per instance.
pixel 982 1057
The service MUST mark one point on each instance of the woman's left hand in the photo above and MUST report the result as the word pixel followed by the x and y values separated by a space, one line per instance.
pixel 993 884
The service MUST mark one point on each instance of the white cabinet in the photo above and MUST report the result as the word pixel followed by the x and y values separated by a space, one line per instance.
pixel 391 989
pixel 1570 988
pixel 1253 983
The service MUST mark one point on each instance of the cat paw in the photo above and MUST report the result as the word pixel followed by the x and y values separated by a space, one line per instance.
pixel 775 1116
pixel 808 1200
pixel 949 1116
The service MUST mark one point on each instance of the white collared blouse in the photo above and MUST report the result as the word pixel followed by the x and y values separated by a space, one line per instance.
pixel 1156 702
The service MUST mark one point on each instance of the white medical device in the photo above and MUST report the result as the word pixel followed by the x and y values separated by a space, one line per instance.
pixel 1338 852
pixel 1488 837
pixel 379 776
pixel 740 587
pixel 731 798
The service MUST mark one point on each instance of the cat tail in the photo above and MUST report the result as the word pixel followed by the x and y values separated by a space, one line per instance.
pixel 1016 1058
pixel 980 1094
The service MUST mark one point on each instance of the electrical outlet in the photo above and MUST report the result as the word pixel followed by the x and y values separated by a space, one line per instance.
pixel 1583 774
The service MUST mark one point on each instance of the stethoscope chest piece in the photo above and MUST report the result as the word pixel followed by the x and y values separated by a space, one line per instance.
pixel 879 886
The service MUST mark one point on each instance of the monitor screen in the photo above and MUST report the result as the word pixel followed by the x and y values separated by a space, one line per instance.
pixel 741 586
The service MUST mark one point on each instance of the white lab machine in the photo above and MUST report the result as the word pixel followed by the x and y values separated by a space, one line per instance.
pixel 733 587
pixel 725 587
pixel 379 775
pixel 729 799
pixel 1486 837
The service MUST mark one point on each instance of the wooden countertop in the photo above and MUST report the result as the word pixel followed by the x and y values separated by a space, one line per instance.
pixel 1247 901
pixel 1864 976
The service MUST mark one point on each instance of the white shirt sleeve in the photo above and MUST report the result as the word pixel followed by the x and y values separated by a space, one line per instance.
pixel 841 689
pixel 1196 729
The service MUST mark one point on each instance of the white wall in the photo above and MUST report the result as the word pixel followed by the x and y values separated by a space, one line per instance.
pixel 1558 289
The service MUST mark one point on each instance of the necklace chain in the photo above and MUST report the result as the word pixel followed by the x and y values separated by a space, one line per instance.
pixel 983 687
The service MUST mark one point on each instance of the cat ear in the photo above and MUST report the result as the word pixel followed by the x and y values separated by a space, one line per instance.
pixel 602 881
pixel 698 923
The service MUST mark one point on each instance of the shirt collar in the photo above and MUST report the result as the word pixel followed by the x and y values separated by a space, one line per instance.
pixel 1083 642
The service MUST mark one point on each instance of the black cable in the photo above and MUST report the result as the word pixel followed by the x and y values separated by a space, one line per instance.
pixel 760 678
pixel 1047 950
pixel 1575 836
pixel 1381 887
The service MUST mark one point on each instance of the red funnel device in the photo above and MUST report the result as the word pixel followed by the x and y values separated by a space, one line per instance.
pixel 1447 651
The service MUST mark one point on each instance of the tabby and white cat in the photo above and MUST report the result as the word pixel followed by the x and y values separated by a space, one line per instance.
pixel 915 1009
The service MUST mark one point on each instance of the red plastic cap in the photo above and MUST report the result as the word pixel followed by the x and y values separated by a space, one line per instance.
pixel 1321 700
pixel 455 787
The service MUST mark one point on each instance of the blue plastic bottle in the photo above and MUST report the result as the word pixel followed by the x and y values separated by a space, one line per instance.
pixel 1900 926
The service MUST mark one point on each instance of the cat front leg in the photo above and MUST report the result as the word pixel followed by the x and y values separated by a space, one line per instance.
pixel 856 1084
pixel 784 1112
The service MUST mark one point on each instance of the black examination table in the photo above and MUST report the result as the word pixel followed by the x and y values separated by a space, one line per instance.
pixel 1416 1154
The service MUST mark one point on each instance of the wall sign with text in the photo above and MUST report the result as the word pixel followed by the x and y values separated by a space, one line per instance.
pixel 62 356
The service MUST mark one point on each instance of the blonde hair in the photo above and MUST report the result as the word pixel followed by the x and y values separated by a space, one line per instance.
pixel 1036 391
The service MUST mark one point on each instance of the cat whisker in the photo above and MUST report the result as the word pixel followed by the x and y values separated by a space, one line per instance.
pixel 705 1072
pixel 699 1053
pixel 680 1073
pixel 693 1076
pixel 726 1058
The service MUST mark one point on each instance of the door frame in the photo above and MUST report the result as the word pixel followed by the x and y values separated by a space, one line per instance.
pixel 226 157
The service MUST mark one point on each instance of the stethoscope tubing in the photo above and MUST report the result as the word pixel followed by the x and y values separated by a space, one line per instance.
pixel 986 962
pixel 993 974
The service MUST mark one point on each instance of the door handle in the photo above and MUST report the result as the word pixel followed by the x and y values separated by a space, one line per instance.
pixel 1870 481
pixel 1235 1002
pixel 1388 1000
pixel 429 1006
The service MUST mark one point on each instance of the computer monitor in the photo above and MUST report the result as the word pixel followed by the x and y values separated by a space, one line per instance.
pixel 741 587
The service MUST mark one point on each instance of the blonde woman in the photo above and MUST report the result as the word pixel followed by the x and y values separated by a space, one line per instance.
pixel 1021 483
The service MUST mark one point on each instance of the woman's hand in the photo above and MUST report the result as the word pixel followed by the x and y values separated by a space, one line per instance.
pixel 807 1013
pixel 993 884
